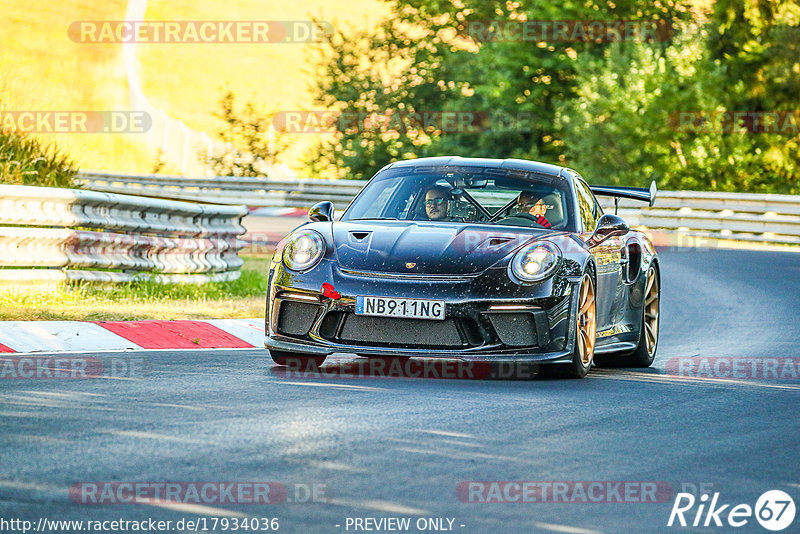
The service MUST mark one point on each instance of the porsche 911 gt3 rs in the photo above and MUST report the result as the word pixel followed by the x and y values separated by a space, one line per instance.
pixel 474 259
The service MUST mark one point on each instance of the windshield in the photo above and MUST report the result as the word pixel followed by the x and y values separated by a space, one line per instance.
pixel 507 197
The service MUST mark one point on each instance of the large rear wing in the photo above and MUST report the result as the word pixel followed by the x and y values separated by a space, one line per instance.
pixel 635 193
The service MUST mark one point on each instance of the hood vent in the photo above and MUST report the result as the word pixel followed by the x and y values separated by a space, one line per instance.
pixel 444 250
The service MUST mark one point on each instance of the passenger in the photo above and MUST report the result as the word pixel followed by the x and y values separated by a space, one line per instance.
pixel 436 203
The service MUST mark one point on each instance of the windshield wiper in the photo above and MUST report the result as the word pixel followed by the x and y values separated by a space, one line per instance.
pixel 376 219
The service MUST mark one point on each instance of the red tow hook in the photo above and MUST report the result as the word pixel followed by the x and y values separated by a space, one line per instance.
pixel 329 291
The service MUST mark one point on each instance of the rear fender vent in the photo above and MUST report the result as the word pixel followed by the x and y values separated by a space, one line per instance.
pixel 634 250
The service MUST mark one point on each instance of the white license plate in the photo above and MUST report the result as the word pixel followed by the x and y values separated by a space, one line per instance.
pixel 406 308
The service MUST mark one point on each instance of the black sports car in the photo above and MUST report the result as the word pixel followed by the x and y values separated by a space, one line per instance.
pixel 474 259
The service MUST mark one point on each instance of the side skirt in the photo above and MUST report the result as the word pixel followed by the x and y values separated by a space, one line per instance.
pixel 620 346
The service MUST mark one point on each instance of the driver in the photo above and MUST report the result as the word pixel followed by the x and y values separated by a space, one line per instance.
pixel 529 203
pixel 436 203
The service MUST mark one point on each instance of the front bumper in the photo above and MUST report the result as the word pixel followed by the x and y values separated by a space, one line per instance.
pixel 487 317
pixel 286 344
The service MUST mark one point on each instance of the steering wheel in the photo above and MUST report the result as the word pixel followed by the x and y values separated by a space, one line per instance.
pixel 528 217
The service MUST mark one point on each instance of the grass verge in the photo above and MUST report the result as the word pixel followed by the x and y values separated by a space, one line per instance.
pixel 242 298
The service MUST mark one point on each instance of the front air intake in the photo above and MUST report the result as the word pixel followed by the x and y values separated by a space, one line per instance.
pixel 515 329
pixel 296 318
pixel 386 331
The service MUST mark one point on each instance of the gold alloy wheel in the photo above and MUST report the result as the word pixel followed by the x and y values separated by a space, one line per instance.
pixel 587 324
pixel 651 309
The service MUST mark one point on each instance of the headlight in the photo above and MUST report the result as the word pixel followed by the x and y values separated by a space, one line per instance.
pixel 535 262
pixel 303 250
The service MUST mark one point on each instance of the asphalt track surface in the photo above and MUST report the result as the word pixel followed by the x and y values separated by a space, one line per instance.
pixel 399 447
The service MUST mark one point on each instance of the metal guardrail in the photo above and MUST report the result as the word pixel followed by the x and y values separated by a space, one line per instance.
pixel 49 234
pixel 763 218
pixel 254 192
pixel 750 217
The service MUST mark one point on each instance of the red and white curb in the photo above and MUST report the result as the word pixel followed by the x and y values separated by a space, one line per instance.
pixel 76 336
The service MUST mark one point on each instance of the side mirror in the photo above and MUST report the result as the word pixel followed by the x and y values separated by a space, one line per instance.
pixel 608 226
pixel 321 212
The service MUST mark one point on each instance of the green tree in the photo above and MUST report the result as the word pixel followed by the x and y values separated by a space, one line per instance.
pixel 640 111
pixel 758 43
pixel 251 144
pixel 424 57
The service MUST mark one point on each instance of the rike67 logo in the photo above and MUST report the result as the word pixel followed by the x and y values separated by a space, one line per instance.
pixel 774 510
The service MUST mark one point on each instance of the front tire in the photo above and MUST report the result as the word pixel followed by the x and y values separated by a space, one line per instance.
pixel 585 335
pixel 296 360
